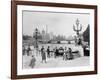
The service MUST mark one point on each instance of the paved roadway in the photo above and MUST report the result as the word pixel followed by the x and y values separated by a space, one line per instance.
pixel 56 62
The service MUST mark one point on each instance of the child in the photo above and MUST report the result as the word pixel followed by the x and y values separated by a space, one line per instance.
pixel 32 62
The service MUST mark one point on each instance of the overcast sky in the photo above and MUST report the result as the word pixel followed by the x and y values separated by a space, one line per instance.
pixel 58 23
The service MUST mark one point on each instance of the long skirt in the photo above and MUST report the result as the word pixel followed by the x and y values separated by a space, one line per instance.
pixel 69 55
pixel 43 56
pixel 32 63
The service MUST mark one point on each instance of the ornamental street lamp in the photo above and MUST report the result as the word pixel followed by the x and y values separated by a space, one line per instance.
pixel 77 29
pixel 35 36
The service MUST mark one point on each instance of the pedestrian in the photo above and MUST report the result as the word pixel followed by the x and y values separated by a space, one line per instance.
pixel 24 50
pixel 32 62
pixel 56 52
pixel 28 50
pixel 65 54
pixel 43 54
pixel 70 55
pixel 53 52
pixel 48 52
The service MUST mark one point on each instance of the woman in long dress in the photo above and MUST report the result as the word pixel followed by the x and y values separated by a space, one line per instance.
pixel 32 62
pixel 70 55
pixel 48 52
pixel 43 54
pixel 28 50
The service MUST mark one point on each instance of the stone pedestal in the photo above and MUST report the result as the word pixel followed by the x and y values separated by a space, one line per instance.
pixel 80 49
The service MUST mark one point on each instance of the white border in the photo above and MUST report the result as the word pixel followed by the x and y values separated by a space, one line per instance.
pixel 21 71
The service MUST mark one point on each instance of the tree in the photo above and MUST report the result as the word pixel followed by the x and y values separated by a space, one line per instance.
pixel 86 34
pixel 26 37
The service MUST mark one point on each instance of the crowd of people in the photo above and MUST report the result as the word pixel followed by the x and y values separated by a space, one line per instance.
pixel 48 53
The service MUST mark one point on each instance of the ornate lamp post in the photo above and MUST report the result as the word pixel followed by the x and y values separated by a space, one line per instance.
pixel 77 29
pixel 36 37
